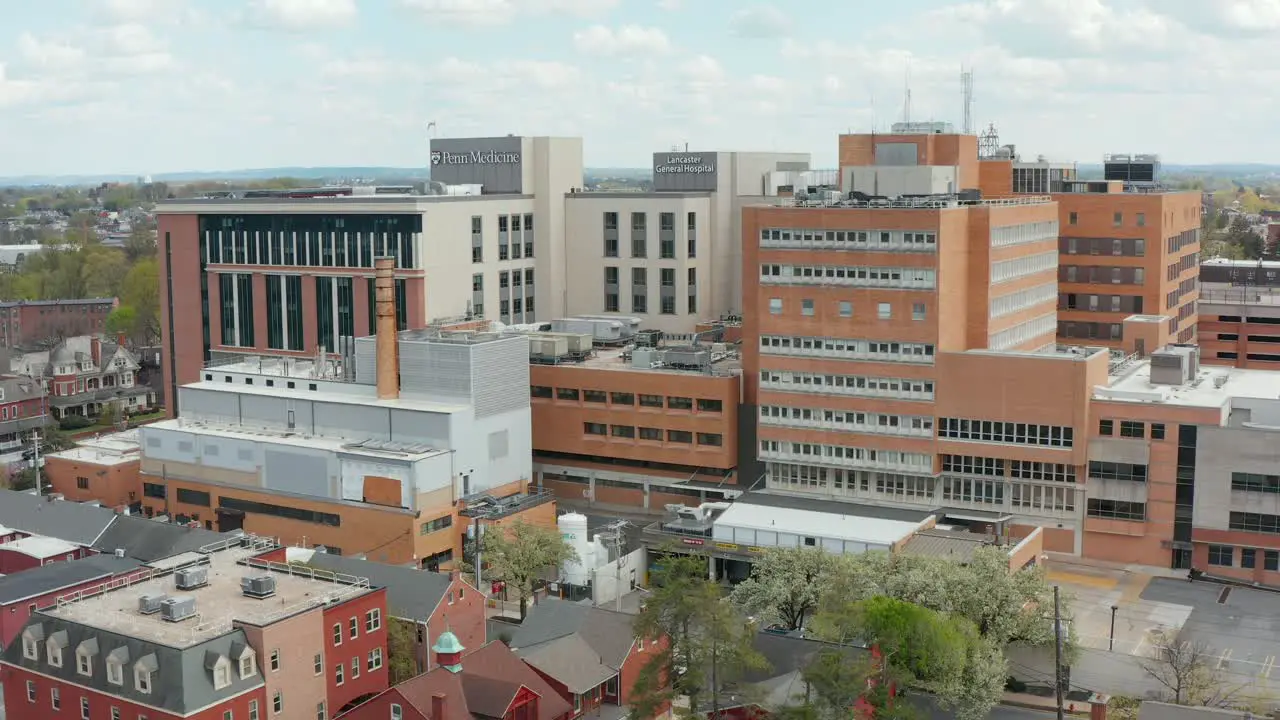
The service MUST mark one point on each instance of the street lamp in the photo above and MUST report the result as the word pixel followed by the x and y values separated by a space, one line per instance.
pixel 1112 646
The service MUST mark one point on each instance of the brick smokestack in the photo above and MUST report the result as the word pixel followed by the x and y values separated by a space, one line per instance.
pixel 388 346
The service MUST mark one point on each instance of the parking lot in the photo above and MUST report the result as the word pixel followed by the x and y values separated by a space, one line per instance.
pixel 1240 625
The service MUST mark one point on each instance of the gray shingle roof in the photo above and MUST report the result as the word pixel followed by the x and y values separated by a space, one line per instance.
pixel 73 522
pixel 411 594
pixel 30 584
pixel 180 682
pixel 556 634
pixel 148 540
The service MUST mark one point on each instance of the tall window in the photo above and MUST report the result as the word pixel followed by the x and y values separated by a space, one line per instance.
pixel 346 307
pixel 324 312
pixel 293 310
pixel 227 289
pixel 275 313
pixel 244 299
pixel 402 306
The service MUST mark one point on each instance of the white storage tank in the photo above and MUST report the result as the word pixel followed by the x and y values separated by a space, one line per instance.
pixel 573 530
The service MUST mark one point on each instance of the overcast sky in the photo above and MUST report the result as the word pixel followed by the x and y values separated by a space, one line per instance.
pixel 150 86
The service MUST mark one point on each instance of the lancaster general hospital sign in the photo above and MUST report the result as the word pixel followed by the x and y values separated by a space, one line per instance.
pixel 474 157
pixel 684 164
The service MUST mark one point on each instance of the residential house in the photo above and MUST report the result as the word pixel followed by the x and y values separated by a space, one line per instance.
pixel 434 603
pixel 23 407
pixel 490 683
pixel 96 529
pixel 36 551
pixel 22 593
pixel 84 374
pixel 589 655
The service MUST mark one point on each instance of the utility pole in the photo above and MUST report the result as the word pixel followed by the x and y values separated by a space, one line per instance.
pixel 1057 652
pixel 35 461
pixel 614 532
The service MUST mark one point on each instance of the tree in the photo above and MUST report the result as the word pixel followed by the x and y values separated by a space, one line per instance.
pixel 402 650
pixel 520 554
pixel 942 654
pixel 141 292
pixel 1241 235
pixel 1189 673
pixel 1005 606
pixel 710 645
pixel 785 585
pixel 141 242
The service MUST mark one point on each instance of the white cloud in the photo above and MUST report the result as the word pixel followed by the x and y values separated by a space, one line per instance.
pixel 298 15
pixel 626 40
pixel 503 12
pixel 50 55
pixel 760 21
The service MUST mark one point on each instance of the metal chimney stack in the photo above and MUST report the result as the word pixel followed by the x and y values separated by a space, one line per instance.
pixel 387 345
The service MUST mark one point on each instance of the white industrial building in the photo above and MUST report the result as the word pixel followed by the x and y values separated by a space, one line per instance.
pixel 296 428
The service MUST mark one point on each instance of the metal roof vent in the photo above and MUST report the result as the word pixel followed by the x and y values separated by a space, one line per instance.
pixel 150 604
pixel 191 578
pixel 258 586
pixel 177 609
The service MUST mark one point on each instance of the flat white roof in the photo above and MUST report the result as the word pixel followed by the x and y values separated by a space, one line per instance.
pixel 40 547
pixel 854 528
pixel 298 439
pixel 112 449
pixel 219 603
pixel 1213 386
pixel 366 396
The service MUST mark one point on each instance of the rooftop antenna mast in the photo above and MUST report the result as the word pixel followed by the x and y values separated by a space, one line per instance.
pixel 966 87
pixel 906 102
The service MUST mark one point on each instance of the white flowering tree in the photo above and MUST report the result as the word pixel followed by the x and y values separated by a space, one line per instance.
pixel 785 585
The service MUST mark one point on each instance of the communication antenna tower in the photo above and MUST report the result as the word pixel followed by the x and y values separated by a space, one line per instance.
pixel 966 88
pixel 906 101
pixel 989 142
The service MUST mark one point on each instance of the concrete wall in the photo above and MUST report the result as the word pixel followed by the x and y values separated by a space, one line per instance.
pixel 1222 451
pixel 584 241
pixel 605 578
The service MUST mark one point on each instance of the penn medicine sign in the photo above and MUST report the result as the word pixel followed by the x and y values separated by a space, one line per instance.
pixel 685 164
pixel 474 157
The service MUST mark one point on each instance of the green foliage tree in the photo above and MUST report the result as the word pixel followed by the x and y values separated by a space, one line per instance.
pixel 140 291
pixel 1241 235
pixel 710 644
pixel 141 243
pixel 402 650
pixel 521 554
pixel 785 585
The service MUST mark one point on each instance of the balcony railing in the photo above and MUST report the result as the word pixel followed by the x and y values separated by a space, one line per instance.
pixel 490 508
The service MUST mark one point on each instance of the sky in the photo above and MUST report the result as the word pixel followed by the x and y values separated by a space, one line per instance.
pixel 151 86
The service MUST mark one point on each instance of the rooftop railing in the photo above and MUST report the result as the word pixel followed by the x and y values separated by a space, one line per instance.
pixel 922 202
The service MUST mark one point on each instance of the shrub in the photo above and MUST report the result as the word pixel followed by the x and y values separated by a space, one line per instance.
pixel 74 422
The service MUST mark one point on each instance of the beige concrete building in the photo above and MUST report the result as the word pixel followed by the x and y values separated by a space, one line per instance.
pixel 674 255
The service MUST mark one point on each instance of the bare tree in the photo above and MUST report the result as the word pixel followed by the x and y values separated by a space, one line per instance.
pixel 1190 674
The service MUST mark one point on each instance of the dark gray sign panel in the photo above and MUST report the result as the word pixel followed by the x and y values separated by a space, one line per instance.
pixel 495 163
pixel 684 171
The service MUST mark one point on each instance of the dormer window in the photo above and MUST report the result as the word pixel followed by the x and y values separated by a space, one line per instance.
pixel 116 660
pixel 247 665
pixel 31 638
pixel 221 675
pixel 54 646
pixel 84 656
pixel 142 671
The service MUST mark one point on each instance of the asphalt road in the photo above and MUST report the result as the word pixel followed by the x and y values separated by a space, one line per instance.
pixel 1243 630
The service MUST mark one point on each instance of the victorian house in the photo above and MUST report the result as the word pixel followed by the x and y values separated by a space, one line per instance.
pixel 82 375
